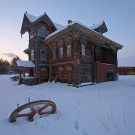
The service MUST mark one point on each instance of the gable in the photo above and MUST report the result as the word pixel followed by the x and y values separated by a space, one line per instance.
pixel 30 20
pixel 26 24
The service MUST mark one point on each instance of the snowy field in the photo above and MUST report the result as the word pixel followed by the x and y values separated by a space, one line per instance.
pixel 103 109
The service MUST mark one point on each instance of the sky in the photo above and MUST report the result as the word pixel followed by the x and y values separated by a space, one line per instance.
pixel 119 16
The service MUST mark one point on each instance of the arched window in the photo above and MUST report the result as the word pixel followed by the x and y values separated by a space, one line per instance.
pixel 68 50
pixel 83 49
pixel 42 32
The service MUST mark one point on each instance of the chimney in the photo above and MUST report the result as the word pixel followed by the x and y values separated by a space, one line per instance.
pixel 69 21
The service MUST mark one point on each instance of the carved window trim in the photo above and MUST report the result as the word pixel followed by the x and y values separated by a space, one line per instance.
pixel 60 68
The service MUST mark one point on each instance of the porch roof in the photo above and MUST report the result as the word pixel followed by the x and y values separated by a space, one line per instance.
pixel 25 63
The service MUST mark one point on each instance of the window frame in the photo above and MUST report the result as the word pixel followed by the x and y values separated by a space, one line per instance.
pixel 83 49
pixel 54 53
pixel 61 52
pixel 32 54
pixel 69 53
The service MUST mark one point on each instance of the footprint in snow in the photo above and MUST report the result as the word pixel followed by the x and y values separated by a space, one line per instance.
pixel 84 132
pixel 76 125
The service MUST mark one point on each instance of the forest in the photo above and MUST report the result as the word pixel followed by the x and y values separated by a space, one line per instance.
pixel 7 67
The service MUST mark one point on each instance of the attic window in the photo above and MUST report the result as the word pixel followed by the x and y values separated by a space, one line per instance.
pixel 42 32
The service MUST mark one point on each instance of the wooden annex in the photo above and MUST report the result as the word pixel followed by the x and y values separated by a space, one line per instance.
pixel 71 54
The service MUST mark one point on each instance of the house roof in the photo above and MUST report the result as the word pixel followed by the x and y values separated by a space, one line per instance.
pixel 96 29
pixel 25 63
pixel 31 19
pixel 91 30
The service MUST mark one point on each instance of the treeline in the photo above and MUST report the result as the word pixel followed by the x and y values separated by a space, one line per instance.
pixel 7 67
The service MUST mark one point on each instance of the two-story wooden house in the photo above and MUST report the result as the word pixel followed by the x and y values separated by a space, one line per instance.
pixel 72 54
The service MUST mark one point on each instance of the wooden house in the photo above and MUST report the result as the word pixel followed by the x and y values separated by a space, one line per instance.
pixel 71 54
pixel 126 70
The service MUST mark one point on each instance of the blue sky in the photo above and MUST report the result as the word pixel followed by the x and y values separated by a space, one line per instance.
pixel 119 16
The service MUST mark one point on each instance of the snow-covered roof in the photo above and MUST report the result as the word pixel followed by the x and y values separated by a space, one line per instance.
pixel 33 18
pixel 76 22
pixel 64 27
pixel 58 26
pixel 25 63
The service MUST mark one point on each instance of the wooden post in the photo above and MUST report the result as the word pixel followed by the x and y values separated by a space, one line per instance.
pixel 94 66
pixel 116 66
pixel 76 71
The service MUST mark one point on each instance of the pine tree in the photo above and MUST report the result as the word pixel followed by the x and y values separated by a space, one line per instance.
pixel 14 64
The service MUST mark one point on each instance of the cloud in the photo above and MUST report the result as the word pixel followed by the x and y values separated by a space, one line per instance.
pixel 9 54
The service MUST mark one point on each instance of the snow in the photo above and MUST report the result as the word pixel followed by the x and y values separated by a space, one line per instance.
pixel 85 83
pixel 25 63
pixel 62 28
pixel 58 26
pixel 102 109
pixel 32 18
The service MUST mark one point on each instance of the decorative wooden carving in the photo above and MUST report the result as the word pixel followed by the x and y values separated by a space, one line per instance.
pixel 44 69
pixel 68 67
pixel 60 68
pixel 68 40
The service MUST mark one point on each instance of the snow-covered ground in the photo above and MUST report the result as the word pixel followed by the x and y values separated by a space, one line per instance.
pixel 103 109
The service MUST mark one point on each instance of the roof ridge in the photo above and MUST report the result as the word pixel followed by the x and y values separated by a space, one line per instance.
pixel 33 18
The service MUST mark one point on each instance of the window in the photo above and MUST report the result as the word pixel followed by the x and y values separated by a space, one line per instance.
pixel 54 53
pixel 32 35
pixel 61 52
pixel 43 54
pixel 83 49
pixel 68 50
pixel 32 54
pixel 42 32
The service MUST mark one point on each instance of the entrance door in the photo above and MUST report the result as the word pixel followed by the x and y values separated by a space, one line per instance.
pixel 110 77
pixel 31 73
